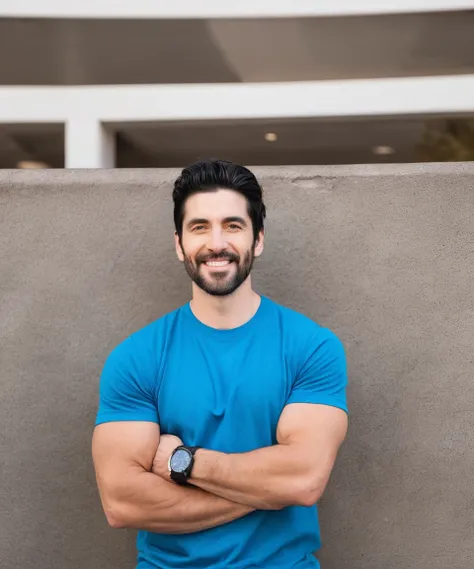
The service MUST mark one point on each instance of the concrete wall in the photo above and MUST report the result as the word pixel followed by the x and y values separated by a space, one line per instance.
pixel 383 255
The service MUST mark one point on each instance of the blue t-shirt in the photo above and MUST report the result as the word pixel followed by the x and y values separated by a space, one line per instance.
pixel 224 390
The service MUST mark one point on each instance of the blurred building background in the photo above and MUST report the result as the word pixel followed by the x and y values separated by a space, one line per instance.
pixel 149 83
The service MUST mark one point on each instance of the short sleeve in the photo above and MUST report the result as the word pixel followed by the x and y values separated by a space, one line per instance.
pixel 322 378
pixel 126 390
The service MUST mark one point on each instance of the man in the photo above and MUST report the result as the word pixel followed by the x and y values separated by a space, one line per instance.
pixel 219 423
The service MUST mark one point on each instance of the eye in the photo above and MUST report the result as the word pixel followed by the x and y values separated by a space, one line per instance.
pixel 197 228
pixel 234 226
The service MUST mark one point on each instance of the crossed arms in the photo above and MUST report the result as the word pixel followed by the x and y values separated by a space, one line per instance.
pixel 134 497
pixel 136 491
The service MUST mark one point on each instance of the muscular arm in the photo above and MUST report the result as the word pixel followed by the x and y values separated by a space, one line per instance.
pixel 293 472
pixel 134 497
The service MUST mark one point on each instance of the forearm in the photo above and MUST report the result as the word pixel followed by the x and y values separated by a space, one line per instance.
pixel 268 478
pixel 149 502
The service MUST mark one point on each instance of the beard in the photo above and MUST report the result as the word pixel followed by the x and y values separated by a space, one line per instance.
pixel 220 283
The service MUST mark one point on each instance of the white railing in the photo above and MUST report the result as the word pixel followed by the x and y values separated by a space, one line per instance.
pixel 91 113
pixel 220 8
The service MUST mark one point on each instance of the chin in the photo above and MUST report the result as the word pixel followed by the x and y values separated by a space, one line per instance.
pixel 223 290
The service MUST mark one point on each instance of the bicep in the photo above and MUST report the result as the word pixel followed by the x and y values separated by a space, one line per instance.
pixel 304 422
pixel 126 434
pixel 315 413
pixel 317 431
pixel 120 449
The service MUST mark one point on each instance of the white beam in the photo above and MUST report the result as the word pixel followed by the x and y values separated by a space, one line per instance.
pixel 88 144
pixel 138 103
pixel 220 8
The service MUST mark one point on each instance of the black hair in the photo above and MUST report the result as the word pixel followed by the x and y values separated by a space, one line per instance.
pixel 210 175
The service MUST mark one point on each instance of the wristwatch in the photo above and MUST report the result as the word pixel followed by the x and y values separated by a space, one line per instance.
pixel 181 463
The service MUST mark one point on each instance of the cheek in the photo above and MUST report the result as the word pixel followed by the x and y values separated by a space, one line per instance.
pixel 191 247
pixel 241 243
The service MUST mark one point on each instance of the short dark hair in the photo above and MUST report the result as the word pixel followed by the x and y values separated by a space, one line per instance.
pixel 210 175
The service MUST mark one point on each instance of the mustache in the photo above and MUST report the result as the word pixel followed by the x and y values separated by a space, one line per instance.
pixel 225 255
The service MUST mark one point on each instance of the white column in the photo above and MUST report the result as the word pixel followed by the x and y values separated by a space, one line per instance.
pixel 88 144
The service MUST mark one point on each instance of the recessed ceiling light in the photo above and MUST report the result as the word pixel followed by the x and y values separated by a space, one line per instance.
pixel 383 150
pixel 271 136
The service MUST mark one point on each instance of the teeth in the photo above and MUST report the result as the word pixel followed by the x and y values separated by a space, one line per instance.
pixel 217 263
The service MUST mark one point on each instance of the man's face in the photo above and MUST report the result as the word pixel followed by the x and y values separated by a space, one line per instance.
pixel 217 244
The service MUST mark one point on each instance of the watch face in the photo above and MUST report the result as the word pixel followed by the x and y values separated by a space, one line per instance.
pixel 180 460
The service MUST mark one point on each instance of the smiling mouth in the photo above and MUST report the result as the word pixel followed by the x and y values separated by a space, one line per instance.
pixel 223 263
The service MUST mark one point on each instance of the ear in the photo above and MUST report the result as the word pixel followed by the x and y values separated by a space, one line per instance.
pixel 258 250
pixel 179 249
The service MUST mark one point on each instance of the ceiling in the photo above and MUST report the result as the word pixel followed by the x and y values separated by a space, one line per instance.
pixel 309 141
pixel 30 142
pixel 78 52
pixel 175 144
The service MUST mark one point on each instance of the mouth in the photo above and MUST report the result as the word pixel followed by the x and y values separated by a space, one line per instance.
pixel 223 263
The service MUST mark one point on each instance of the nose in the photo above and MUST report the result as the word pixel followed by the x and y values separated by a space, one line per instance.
pixel 217 243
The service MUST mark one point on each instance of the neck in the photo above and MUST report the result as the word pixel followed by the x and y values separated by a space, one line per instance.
pixel 225 312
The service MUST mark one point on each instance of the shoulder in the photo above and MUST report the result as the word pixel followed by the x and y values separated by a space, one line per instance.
pixel 134 366
pixel 318 360
pixel 157 330
pixel 146 342
pixel 301 329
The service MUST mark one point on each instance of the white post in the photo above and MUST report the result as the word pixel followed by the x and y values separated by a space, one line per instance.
pixel 88 144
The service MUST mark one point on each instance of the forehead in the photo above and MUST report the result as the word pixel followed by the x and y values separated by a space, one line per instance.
pixel 215 205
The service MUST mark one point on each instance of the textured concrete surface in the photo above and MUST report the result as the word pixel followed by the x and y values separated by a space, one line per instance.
pixel 383 255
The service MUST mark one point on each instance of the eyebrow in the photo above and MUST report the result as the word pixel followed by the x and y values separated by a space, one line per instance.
pixel 202 220
pixel 196 221
pixel 236 219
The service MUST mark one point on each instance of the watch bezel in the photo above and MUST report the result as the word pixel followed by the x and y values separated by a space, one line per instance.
pixel 173 454
pixel 181 477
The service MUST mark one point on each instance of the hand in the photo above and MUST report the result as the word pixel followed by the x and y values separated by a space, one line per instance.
pixel 166 446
